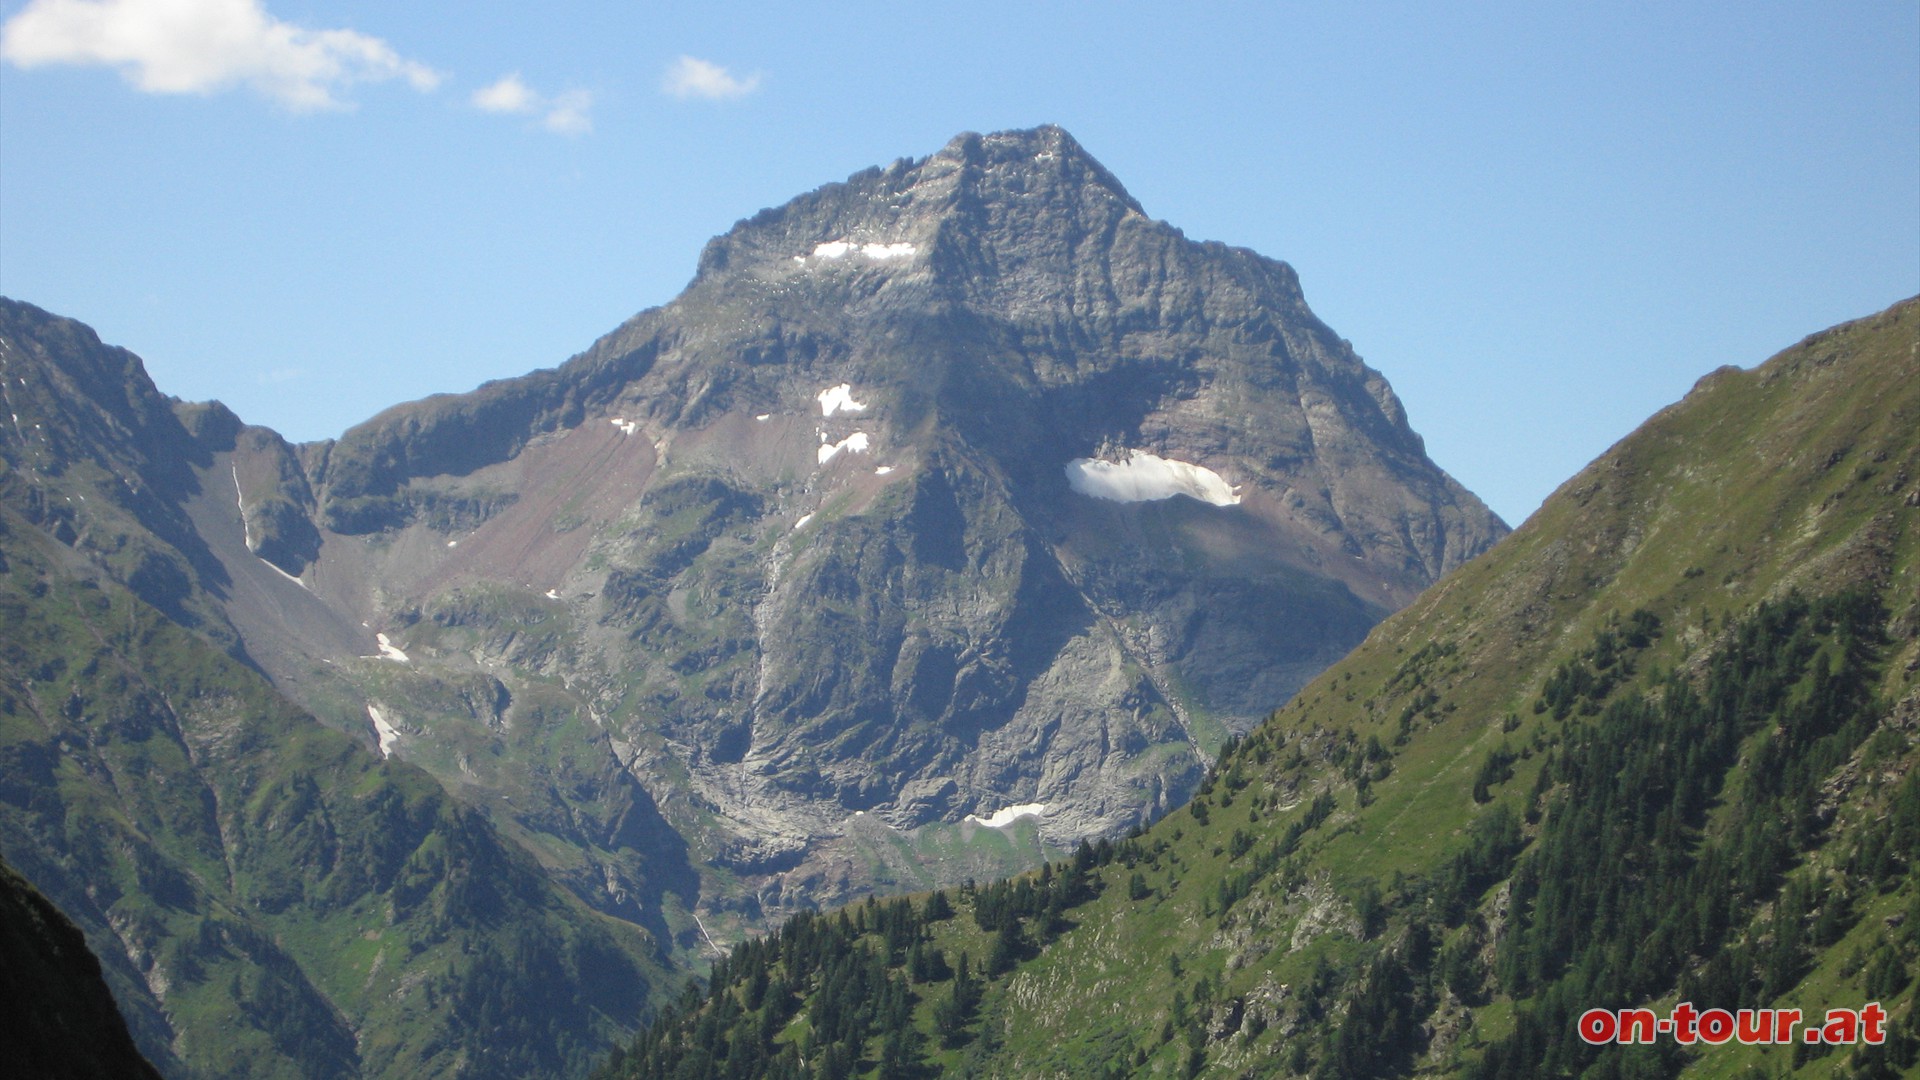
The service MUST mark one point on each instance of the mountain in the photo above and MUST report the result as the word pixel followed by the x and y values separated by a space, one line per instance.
pixel 959 488
pixel 266 896
pixel 952 514
pixel 1660 745
pixel 61 1019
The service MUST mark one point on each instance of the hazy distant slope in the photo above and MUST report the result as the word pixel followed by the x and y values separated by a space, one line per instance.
pixel 1660 744
pixel 267 896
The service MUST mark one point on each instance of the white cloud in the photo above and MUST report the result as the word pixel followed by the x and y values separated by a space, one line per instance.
pixel 509 95
pixel 204 46
pixel 566 113
pixel 690 77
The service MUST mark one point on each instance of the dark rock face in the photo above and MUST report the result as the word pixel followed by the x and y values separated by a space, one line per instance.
pixel 957 486
pixel 61 1019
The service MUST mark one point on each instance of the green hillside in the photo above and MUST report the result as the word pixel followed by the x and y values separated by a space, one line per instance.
pixel 269 898
pixel 1657 746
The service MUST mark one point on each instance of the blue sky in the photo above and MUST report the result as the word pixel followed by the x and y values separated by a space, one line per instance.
pixel 1542 222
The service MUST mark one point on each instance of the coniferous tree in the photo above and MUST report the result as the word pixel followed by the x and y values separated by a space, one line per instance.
pixel 1009 947
pixel 952 1015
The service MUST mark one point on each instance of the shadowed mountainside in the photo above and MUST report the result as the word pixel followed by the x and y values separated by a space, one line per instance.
pixel 61 1019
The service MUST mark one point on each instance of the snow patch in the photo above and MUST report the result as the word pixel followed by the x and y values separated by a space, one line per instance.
pixel 246 529
pixel 626 426
pixel 239 500
pixel 453 543
pixel 883 470
pixel 553 594
pixel 286 575
pixel 1144 477
pixel 839 399
pixel 1002 818
pixel 711 944
pixel 840 249
pixel 388 734
pixel 764 417
pixel 804 518
pixel 388 650
pixel 856 442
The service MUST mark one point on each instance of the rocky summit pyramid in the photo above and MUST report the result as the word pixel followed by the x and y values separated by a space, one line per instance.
pixel 952 510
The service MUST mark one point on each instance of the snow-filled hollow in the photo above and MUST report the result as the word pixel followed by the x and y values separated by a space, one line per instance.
pixel 1000 819
pixel 840 249
pixel 839 399
pixel 284 574
pixel 1144 477
pixel 389 651
pixel 389 735
pixel 240 500
pixel 856 443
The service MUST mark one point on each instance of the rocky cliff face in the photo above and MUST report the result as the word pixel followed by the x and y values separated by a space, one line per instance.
pixel 959 486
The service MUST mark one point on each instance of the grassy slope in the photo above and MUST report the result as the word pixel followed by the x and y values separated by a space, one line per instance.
pixel 1792 476
pixel 267 897
pixel 1800 476
pixel 270 898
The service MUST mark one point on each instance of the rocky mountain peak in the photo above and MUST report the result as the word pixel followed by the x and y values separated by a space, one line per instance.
pixel 929 213
pixel 1008 164
pixel 955 487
